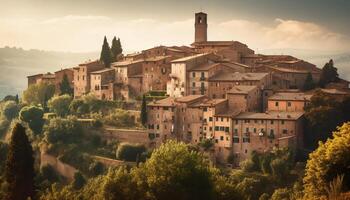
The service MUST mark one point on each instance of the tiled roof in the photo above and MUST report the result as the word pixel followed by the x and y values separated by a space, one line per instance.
pixel 167 102
pixel 125 63
pixel 184 59
pixel 237 76
pixel 189 98
pixel 157 58
pixel 102 71
pixel 270 115
pixel 290 96
pixel 241 89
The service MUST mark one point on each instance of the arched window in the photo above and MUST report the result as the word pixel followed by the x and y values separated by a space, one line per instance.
pixel 199 20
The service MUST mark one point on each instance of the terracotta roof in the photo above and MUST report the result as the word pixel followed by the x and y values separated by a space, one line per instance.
pixel 227 113
pixel 237 76
pixel 241 89
pixel 189 98
pixel 66 69
pixel 89 62
pixel 167 102
pixel 34 75
pixel 282 69
pixel 188 58
pixel 217 43
pixel 270 115
pixel 291 96
pixel 125 63
pixel 49 75
pixel 231 64
pixel 102 71
pixel 209 102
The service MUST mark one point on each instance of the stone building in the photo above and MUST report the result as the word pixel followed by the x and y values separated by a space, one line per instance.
pixel 223 82
pixel 82 77
pixel 227 50
pixel 288 101
pixel 102 83
pixel 38 78
pixel 69 72
pixel 244 98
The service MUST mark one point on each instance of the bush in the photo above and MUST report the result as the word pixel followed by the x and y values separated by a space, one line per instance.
pixel 79 180
pixel 33 115
pixel 60 104
pixel 130 152
pixel 10 110
pixel 63 130
pixel 119 118
pixel 96 168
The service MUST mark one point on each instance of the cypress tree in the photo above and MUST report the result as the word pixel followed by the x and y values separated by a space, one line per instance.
pixel 19 169
pixel 309 83
pixel 120 49
pixel 65 87
pixel 144 111
pixel 114 49
pixel 329 74
pixel 106 56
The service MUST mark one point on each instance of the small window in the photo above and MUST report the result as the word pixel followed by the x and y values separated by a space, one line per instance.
pixel 285 131
pixel 210 119
pixel 276 103
pixel 282 122
pixel 193 74
pixel 221 138
pixel 289 104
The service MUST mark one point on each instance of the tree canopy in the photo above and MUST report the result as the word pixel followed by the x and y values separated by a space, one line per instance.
pixel 33 115
pixel 65 87
pixel 106 55
pixel 116 48
pixel 329 160
pixel 329 74
pixel 39 94
pixel 19 171
pixel 60 104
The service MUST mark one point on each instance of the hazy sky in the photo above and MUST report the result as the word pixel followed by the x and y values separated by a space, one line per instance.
pixel 79 25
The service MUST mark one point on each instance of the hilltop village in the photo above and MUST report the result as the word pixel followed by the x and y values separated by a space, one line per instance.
pixel 215 90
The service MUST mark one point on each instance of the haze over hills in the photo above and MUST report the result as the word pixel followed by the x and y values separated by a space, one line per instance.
pixel 16 63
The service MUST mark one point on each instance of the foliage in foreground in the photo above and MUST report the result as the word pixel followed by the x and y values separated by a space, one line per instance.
pixel 331 159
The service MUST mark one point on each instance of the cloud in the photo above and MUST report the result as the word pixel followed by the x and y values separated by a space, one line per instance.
pixel 85 33
pixel 284 34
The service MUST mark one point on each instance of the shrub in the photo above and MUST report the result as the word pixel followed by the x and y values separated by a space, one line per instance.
pixel 60 104
pixel 130 152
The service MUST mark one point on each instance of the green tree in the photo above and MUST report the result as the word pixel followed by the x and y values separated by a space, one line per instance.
pixel 329 160
pixel 175 172
pixel 130 152
pixel 65 87
pixel 329 74
pixel 309 83
pixel 60 104
pixel 3 154
pixel 281 194
pixel 19 171
pixel 144 111
pixel 60 130
pixel 79 181
pixel 33 115
pixel 10 110
pixel 106 55
pixel 116 48
pixel 39 94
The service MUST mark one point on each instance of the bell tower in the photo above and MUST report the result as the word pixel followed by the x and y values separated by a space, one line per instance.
pixel 200 26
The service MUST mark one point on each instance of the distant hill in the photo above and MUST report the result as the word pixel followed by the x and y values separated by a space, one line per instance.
pixel 16 64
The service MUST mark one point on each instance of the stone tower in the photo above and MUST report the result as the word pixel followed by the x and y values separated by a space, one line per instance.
pixel 200 26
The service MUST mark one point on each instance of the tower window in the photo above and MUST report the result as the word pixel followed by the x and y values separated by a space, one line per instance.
pixel 199 20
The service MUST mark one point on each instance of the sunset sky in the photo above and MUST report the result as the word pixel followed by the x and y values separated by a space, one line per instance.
pixel 79 26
